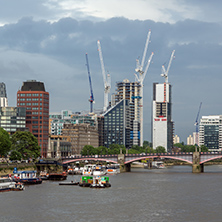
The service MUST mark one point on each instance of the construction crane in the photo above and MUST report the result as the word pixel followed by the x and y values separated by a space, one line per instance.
pixel 196 124
pixel 165 72
pixel 91 99
pixel 140 78
pixel 106 78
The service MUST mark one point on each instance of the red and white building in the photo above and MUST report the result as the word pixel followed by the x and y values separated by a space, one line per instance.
pixel 162 116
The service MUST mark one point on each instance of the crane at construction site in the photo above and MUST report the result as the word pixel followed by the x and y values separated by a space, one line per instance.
pixel 165 72
pixel 140 78
pixel 196 124
pixel 106 78
pixel 91 99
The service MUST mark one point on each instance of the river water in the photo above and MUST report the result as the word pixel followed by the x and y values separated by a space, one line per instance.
pixel 162 195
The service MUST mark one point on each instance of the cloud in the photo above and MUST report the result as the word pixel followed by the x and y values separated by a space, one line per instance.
pixel 55 54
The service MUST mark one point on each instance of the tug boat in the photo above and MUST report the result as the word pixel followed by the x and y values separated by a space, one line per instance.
pixel 100 182
pixel 86 181
pixel 27 177
pixel 95 181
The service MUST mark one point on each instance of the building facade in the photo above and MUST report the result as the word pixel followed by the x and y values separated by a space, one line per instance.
pixel 131 91
pixel 176 139
pixel 13 119
pixel 80 135
pixel 190 140
pixel 58 147
pixel 162 116
pixel 117 125
pixel 57 120
pixel 33 97
pixel 3 95
pixel 210 132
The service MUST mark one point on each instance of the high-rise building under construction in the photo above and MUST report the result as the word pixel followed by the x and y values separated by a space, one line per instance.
pixel 162 116
pixel 131 91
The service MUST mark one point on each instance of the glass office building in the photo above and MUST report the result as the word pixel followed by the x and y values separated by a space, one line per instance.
pixel 210 132
pixel 117 125
pixel 13 119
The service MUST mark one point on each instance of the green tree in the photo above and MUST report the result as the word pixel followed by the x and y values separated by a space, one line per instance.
pixel 5 142
pixel 15 155
pixel 89 150
pixel 203 148
pixel 160 149
pixel 25 143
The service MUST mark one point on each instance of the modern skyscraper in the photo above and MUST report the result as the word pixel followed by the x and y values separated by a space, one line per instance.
pixel 131 91
pixel 210 132
pixel 117 125
pixel 162 116
pixel 3 95
pixel 35 99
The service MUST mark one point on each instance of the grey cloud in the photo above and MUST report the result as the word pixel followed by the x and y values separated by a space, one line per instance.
pixel 60 49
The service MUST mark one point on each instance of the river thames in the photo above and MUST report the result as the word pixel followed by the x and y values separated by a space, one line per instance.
pixel 166 195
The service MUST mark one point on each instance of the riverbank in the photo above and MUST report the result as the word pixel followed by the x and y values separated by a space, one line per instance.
pixel 6 169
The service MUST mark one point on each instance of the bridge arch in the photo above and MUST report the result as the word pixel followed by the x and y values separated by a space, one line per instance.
pixel 89 158
pixel 158 156
pixel 213 158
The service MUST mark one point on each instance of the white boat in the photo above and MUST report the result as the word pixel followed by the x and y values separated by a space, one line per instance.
pixel 88 170
pixel 6 184
pixel 158 165
pixel 113 169
pixel 99 171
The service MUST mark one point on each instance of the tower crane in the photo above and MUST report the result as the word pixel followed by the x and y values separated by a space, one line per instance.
pixel 106 78
pixel 140 78
pixel 197 123
pixel 165 72
pixel 91 99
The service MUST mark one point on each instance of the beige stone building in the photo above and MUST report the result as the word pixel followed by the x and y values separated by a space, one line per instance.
pixel 81 135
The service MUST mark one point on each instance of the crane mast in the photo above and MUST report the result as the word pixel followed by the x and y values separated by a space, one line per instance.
pixel 165 72
pixel 106 79
pixel 140 78
pixel 197 123
pixel 91 99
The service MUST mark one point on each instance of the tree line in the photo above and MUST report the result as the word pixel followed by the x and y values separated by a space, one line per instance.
pixel 20 145
pixel 146 148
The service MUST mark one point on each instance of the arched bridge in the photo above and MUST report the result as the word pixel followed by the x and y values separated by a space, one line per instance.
pixel 196 159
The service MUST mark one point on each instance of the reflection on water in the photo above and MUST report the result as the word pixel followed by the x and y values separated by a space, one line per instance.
pixel 171 194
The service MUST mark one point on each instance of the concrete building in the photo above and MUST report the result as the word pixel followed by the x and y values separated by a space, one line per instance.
pixel 210 132
pixel 58 147
pixel 57 120
pixel 3 95
pixel 162 116
pixel 81 135
pixel 176 139
pixel 13 119
pixel 190 140
pixel 131 91
pixel 117 125
pixel 35 99
pixel 196 138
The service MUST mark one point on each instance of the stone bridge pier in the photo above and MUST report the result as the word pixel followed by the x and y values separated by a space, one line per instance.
pixel 197 167
pixel 123 167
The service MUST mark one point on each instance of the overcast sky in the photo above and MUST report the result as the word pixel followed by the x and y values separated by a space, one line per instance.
pixel 46 40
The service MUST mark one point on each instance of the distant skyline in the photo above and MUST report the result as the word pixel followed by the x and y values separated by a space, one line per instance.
pixel 46 40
